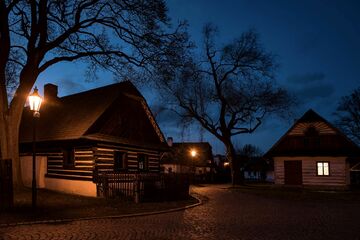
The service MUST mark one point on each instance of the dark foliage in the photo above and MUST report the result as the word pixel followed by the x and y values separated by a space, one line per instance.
pixel 228 90
pixel 250 151
pixel 348 115
pixel 121 36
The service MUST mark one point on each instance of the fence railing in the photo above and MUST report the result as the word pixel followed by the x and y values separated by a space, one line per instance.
pixel 141 187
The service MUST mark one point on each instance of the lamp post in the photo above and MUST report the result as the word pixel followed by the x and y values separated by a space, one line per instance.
pixel 193 154
pixel 35 103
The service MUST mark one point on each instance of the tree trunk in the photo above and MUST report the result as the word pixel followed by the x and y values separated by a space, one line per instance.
pixel 237 176
pixel 11 117
pixel 10 146
pixel 10 150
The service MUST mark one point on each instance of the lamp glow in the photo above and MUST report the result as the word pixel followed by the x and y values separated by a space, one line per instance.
pixel 35 101
pixel 193 153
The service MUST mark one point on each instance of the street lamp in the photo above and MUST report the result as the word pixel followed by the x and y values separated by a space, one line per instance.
pixel 35 103
pixel 193 154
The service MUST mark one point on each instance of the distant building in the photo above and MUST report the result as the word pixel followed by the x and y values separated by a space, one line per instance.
pixel 258 169
pixel 188 157
pixel 222 169
pixel 109 129
pixel 220 160
pixel 315 153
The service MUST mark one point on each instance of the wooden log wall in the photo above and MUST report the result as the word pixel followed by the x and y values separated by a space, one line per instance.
pixel 338 171
pixel 82 169
pixel 104 158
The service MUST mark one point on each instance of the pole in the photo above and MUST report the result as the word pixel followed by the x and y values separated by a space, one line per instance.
pixel 34 197
pixel 193 169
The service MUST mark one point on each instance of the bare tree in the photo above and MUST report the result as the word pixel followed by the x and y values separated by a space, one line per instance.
pixel 348 115
pixel 115 35
pixel 228 90
pixel 250 151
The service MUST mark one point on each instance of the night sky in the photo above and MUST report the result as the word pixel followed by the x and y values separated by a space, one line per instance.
pixel 317 44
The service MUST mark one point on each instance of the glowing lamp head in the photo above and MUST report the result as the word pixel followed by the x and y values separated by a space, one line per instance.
pixel 193 153
pixel 35 101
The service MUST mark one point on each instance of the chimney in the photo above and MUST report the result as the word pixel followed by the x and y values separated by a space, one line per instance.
pixel 170 141
pixel 50 92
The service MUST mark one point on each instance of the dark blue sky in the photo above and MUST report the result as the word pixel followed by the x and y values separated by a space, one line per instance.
pixel 317 44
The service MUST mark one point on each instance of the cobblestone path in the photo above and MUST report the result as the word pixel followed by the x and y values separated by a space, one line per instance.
pixel 224 215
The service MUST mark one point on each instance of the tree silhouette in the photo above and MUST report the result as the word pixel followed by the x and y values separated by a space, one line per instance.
pixel 118 36
pixel 348 115
pixel 249 151
pixel 228 90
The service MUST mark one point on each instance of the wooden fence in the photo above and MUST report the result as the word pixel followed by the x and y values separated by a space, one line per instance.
pixel 6 185
pixel 141 187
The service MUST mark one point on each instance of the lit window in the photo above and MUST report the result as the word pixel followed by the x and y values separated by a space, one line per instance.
pixel 323 169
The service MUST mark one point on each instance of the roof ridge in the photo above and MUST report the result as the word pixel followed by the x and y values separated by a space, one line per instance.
pixel 305 118
pixel 99 88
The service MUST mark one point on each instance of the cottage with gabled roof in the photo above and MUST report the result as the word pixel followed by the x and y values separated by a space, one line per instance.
pixel 188 157
pixel 109 128
pixel 314 153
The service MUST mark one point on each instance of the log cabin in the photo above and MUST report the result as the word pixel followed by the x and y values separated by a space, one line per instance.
pixel 109 128
pixel 314 153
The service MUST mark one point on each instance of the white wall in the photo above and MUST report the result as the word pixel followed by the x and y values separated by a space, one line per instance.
pixel 78 187
pixel 338 171
pixel 26 170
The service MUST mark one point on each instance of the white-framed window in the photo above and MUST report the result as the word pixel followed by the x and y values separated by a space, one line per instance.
pixel 323 168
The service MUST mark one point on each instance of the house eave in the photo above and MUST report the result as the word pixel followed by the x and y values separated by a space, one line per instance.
pixel 123 141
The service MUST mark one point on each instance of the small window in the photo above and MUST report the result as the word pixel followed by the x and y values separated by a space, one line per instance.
pixel 119 161
pixel 68 158
pixel 323 168
pixel 143 162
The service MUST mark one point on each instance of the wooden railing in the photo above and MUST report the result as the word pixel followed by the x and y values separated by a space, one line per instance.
pixel 141 187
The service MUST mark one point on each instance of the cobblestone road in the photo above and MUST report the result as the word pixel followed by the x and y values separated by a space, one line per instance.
pixel 225 215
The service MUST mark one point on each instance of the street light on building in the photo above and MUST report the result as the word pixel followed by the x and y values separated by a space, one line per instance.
pixel 35 104
pixel 193 154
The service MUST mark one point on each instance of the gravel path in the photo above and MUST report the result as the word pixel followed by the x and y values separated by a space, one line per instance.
pixel 225 214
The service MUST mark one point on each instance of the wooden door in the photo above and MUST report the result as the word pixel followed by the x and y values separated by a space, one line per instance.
pixel 293 172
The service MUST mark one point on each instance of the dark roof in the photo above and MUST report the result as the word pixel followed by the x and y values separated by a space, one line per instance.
pixel 310 116
pixel 180 154
pixel 330 142
pixel 83 115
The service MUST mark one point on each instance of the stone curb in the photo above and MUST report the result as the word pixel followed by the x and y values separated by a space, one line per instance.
pixel 200 202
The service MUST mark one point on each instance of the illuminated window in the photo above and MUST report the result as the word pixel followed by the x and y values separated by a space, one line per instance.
pixel 323 168
pixel 119 161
